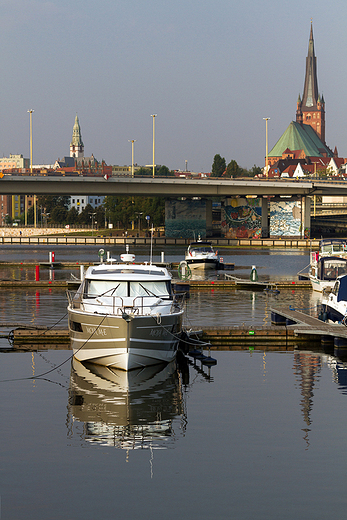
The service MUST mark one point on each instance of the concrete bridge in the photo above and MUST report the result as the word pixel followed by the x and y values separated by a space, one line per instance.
pixel 167 186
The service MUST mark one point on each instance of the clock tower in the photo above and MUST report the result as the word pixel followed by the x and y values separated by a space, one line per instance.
pixel 311 108
pixel 76 146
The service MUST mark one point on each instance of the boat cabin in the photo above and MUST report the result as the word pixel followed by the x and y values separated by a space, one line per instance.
pixel 329 268
pixel 201 247
pixel 332 246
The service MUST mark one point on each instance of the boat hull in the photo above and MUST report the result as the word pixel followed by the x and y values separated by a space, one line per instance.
pixel 321 285
pixel 136 342
pixel 333 315
pixel 202 264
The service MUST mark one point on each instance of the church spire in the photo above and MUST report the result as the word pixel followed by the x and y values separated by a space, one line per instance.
pixel 311 109
pixel 76 146
pixel 310 96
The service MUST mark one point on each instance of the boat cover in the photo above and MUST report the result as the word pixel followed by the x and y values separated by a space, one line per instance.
pixel 342 294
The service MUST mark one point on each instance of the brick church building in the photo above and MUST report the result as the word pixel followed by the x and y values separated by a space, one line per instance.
pixel 304 140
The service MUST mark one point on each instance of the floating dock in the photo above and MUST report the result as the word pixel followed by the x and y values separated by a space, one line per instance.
pixel 289 327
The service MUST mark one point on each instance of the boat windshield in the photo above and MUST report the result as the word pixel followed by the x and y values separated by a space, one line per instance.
pixel 202 249
pixel 96 288
pixel 333 268
pixel 333 247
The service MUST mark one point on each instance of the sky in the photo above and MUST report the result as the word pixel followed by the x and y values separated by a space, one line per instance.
pixel 211 71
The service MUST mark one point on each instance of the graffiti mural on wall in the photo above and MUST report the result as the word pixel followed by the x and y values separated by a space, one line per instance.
pixel 285 218
pixel 242 218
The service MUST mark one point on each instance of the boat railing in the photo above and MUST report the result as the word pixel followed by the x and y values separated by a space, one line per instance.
pixel 117 305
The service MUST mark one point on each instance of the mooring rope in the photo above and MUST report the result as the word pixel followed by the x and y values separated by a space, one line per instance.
pixel 61 364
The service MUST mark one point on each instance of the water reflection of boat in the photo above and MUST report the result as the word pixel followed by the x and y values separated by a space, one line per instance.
pixel 143 408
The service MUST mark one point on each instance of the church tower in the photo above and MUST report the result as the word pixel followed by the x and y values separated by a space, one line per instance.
pixel 76 146
pixel 311 108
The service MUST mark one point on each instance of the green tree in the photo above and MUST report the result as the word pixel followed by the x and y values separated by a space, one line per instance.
pixel 255 170
pixel 58 215
pixel 49 202
pixel 72 216
pixel 164 171
pixel 218 166
pixel 100 216
pixel 233 170
pixel 123 210
pixel 85 217
pixel 144 172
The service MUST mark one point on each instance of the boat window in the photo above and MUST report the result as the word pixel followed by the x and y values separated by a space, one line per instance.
pixel 336 288
pixel 203 249
pixel 108 288
pixel 153 288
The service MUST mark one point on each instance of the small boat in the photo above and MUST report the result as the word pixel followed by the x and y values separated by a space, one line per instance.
pixel 201 255
pixel 333 247
pixel 334 303
pixel 125 316
pixel 325 270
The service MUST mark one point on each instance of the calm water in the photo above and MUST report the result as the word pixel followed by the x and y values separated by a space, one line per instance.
pixel 260 435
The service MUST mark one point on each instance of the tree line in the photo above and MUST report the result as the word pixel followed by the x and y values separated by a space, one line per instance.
pixel 232 170
pixel 121 211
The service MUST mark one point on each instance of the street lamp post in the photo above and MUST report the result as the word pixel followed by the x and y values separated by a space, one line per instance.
pixel 266 119
pixel 93 215
pixel 30 112
pixel 139 215
pixel 154 116
pixel 132 141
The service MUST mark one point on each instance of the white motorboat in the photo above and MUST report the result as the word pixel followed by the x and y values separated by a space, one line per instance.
pixel 325 270
pixel 125 315
pixel 201 255
pixel 333 247
pixel 334 303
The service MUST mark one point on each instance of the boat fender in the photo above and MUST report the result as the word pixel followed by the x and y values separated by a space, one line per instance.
pixel 127 317
pixel 254 275
pixel 158 316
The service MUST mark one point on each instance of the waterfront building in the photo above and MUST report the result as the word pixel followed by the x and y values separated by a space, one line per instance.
pixel 79 202
pixel 14 161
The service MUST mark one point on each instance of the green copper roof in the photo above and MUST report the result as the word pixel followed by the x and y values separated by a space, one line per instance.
pixel 300 137
pixel 76 134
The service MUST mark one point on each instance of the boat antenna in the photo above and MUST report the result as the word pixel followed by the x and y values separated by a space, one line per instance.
pixel 150 258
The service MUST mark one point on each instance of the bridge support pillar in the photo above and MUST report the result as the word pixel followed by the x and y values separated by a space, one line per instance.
pixel 265 227
pixel 306 210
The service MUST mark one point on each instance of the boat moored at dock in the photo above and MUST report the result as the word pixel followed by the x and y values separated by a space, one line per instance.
pixel 201 255
pixel 125 315
pixel 333 247
pixel 334 304
pixel 325 270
